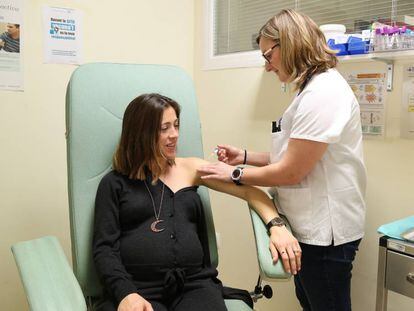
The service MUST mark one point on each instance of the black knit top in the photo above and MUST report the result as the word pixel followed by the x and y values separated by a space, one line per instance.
pixel 130 257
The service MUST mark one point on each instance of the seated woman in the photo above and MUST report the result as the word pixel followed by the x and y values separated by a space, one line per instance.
pixel 150 242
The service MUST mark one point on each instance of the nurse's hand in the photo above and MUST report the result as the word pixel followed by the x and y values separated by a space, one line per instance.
pixel 216 171
pixel 230 155
pixel 134 302
pixel 285 246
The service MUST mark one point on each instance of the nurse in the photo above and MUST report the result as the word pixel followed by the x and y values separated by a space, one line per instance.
pixel 315 165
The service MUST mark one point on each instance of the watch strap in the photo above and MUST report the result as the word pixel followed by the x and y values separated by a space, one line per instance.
pixel 277 221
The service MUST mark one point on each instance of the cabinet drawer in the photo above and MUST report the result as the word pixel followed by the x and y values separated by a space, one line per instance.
pixel 400 273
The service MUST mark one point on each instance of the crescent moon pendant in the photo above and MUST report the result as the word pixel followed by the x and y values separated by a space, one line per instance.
pixel 154 226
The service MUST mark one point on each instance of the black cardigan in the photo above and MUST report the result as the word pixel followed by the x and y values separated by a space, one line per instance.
pixel 130 258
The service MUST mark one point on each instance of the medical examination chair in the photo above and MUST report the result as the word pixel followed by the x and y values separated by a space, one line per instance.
pixel 96 98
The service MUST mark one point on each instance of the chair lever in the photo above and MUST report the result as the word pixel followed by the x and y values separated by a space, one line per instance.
pixel 410 278
pixel 259 292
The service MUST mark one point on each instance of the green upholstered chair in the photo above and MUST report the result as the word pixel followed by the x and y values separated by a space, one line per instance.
pixel 96 98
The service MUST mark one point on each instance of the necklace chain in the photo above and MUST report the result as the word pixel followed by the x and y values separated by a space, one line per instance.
pixel 157 215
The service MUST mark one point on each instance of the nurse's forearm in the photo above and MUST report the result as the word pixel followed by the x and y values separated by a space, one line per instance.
pixel 298 161
pixel 257 158
pixel 270 175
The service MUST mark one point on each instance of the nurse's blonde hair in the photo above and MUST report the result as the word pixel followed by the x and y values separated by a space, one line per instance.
pixel 303 48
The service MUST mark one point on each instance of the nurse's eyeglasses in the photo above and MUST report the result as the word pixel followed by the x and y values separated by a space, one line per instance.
pixel 267 55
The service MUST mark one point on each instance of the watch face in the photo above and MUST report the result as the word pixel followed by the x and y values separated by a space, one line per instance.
pixel 277 221
pixel 236 173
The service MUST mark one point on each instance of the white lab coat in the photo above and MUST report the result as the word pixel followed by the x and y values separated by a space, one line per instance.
pixel 328 205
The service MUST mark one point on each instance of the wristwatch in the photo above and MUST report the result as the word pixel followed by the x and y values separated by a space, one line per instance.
pixel 277 221
pixel 236 175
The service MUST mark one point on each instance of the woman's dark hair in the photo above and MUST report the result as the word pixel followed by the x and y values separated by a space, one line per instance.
pixel 138 151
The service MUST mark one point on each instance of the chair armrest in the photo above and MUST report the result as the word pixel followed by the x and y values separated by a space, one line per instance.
pixel 268 269
pixel 47 278
pixel 236 305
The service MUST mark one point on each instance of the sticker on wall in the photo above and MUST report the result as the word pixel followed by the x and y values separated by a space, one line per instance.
pixel 62 32
pixel 370 91
pixel 407 104
pixel 11 45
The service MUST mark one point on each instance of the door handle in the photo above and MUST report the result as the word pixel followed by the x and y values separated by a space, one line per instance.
pixel 410 278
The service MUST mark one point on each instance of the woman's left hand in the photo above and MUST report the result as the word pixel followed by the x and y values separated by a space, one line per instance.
pixel 284 245
pixel 216 171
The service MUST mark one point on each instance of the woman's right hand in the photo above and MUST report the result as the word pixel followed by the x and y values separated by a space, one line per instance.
pixel 285 246
pixel 230 155
pixel 134 302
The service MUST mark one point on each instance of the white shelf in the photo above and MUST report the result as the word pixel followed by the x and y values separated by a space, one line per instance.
pixel 378 56
pixel 386 57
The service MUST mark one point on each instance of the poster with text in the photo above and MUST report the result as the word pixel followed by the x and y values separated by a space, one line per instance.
pixel 62 29
pixel 407 103
pixel 370 90
pixel 11 71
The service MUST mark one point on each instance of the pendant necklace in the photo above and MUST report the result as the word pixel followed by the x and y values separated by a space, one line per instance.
pixel 157 215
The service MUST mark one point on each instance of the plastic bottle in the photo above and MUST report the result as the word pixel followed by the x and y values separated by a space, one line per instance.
pixel 376 43
pixel 408 38
pixel 411 40
pixel 383 39
pixel 403 37
pixel 395 38
pixel 387 38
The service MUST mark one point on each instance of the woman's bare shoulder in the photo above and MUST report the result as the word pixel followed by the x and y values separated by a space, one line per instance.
pixel 191 166
pixel 191 162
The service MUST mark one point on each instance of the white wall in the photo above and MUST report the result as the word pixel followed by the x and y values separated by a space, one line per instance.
pixel 237 106
pixel 389 193
pixel 33 185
